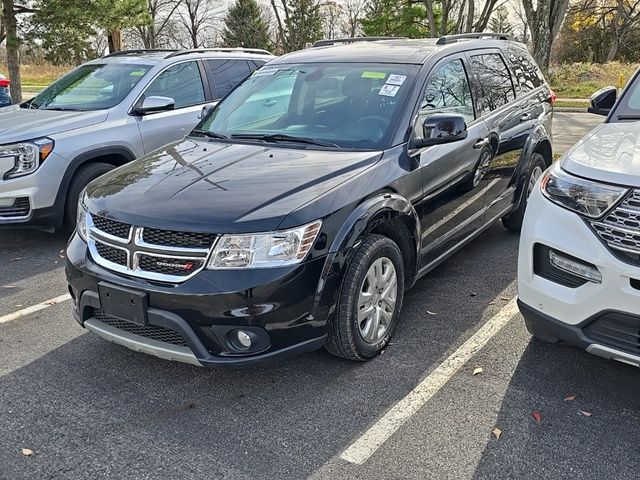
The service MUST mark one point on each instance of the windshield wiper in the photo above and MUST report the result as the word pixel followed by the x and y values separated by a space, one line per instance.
pixel 64 109
pixel 209 134
pixel 282 137
pixel 628 117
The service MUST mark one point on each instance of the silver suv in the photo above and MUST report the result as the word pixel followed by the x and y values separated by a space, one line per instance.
pixel 101 115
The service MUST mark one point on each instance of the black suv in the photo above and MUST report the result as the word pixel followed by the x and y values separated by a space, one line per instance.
pixel 297 213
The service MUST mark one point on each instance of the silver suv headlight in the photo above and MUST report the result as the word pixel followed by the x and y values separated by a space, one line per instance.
pixel 585 197
pixel 263 250
pixel 27 156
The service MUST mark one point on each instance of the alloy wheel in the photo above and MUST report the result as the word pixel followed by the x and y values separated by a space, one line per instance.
pixel 377 300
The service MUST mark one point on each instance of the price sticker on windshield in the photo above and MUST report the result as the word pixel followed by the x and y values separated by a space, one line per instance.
pixel 389 90
pixel 396 79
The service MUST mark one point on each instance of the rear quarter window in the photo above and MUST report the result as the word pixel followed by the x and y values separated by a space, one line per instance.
pixel 527 74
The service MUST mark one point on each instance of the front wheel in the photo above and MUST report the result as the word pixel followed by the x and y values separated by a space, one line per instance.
pixel 514 220
pixel 82 177
pixel 370 301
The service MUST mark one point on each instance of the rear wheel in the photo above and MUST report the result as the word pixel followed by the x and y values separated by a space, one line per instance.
pixel 82 177
pixel 370 301
pixel 514 220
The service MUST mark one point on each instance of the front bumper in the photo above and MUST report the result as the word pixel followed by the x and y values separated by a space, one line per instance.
pixel 287 309
pixel 600 317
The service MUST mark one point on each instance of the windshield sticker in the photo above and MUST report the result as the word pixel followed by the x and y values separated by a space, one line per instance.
pixel 396 79
pixel 264 71
pixel 379 75
pixel 138 73
pixel 389 90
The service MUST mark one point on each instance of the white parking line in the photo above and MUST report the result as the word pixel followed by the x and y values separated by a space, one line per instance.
pixel 365 446
pixel 35 308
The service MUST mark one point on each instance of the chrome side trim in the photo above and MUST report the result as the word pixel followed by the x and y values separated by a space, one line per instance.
pixel 141 344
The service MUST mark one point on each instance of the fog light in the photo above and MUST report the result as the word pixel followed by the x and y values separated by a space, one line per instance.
pixel 243 339
pixel 569 265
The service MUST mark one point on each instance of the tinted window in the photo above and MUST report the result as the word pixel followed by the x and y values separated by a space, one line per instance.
pixel 349 105
pixel 447 91
pixel 495 81
pixel 182 82
pixel 91 87
pixel 524 68
pixel 226 74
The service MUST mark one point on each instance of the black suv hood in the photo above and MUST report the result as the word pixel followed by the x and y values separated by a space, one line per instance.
pixel 220 187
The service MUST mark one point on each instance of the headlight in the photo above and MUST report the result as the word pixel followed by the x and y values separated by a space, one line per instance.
pixel 588 198
pixel 262 250
pixel 81 220
pixel 27 156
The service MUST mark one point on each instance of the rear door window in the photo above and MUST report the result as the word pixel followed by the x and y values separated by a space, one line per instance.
pixel 225 74
pixel 182 82
pixel 496 85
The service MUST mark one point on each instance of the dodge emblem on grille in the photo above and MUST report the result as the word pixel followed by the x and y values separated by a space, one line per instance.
pixel 184 266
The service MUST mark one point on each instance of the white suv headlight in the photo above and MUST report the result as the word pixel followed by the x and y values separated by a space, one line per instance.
pixel 588 198
pixel 262 250
pixel 27 155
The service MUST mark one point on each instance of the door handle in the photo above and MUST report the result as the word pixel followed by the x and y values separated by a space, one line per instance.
pixel 525 117
pixel 481 143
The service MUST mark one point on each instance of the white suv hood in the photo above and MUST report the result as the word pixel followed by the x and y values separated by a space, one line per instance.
pixel 17 124
pixel 609 153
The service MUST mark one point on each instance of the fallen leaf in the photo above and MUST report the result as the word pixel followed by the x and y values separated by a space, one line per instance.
pixel 431 313
pixel 474 294
pixel 497 433
pixel 50 302
pixel 491 303
pixel 477 371
pixel 61 256
pixel 61 251
pixel 585 414
pixel 382 352
pixel 570 398
pixel 9 286
pixel 17 306
pixel 537 416
pixel 506 299
pixel 27 452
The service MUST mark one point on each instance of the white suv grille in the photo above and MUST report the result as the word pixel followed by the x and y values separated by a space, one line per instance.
pixel 620 229
pixel 163 255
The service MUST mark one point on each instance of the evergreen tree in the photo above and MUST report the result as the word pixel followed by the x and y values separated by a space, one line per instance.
pixel 500 23
pixel 244 26
pixel 303 24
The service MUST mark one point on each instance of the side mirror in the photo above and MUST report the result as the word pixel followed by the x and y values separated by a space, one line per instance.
pixel 441 128
pixel 603 101
pixel 155 104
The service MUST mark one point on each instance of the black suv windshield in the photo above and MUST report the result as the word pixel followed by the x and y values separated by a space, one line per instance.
pixel 352 106
pixel 629 106
pixel 90 87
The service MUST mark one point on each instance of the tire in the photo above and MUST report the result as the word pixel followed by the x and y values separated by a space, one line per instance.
pixel 514 220
pixel 347 331
pixel 82 177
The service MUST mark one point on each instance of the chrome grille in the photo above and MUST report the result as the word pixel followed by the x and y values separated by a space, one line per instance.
pixel 162 255
pixel 153 332
pixel 18 209
pixel 620 229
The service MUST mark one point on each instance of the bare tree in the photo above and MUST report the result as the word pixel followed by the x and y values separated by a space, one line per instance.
pixel 625 19
pixel 196 16
pixel 544 21
pixel 352 18
pixel 160 13
pixel 332 12
pixel 433 27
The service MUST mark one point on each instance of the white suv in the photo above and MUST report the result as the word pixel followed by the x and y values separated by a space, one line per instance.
pixel 579 261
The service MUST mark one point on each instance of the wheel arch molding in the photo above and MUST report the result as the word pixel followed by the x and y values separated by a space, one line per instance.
pixel 539 142
pixel 389 214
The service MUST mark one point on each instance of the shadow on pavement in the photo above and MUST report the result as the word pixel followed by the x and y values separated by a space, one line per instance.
pixel 557 447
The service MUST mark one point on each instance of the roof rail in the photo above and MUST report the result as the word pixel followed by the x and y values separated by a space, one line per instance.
pixel 230 50
pixel 334 41
pixel 449 39
pixel 122 53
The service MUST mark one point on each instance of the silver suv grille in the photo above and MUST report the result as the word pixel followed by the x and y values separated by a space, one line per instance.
pixel 620 229
pixel 162 255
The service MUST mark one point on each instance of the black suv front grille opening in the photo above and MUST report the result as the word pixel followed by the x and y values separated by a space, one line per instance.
pixel 152 332
pixel 111 227
pixel 112 254
pixel 171 238
pixel 19 208
pixel 616 330
pixel 169 266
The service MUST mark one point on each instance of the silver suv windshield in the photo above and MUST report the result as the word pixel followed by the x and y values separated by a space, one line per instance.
pixel 354 106
pixel 90 87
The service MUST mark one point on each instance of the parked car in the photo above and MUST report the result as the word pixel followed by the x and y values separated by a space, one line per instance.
pixel 5 95
pixel 101 115
pixel 579 260
pixel 298 212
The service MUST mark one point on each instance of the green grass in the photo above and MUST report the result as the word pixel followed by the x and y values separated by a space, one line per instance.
pixel 37 77
pixel 580 80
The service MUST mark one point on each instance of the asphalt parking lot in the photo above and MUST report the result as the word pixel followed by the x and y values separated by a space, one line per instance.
pixel 87 408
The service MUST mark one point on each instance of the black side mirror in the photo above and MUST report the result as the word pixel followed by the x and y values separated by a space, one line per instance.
pixel 155 104
pixel 603 101
pixel 441 128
